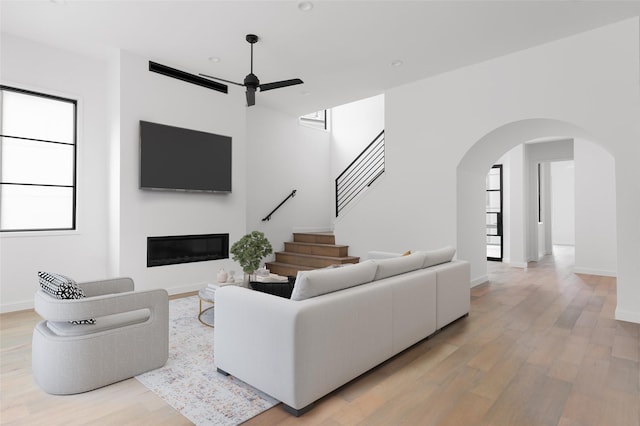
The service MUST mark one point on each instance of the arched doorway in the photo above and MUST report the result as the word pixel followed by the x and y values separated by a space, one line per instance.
pixel 471 173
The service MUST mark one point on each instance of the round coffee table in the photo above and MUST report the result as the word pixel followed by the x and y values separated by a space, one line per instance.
pixel 207 315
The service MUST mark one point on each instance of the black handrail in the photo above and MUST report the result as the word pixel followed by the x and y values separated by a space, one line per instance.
pixel 365 169
pixel 268 217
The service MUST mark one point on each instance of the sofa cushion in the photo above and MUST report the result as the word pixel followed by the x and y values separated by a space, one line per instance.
pixel 321 281
pixel 436 257
pixel 398 265
pixel 109 322
pixel 62 287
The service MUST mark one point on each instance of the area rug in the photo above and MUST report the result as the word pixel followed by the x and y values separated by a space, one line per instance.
pixel 189 381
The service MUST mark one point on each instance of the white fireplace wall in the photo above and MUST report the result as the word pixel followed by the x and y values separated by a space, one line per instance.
pixel 154 97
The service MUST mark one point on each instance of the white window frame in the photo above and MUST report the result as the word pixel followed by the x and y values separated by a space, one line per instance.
pixel 315 121
pixel 74 210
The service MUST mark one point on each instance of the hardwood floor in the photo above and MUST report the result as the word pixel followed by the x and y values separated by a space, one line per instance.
pixel 540 347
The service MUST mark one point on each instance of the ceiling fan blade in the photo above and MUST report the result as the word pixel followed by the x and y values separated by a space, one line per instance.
pixel 251 96
pixel 221 79
pixel 279 84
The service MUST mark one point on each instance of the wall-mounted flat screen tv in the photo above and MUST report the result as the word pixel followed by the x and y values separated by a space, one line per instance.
pixel 173 158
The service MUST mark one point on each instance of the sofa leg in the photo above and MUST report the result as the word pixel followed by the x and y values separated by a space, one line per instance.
pixel 222 372
pixel 297 412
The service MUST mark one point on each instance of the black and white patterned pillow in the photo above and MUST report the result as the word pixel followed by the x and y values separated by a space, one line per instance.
pixel 62 287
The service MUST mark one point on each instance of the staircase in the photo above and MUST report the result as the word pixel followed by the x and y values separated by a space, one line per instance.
pixel 310 251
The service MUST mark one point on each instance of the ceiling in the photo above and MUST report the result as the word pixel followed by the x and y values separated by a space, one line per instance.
pixel 343 50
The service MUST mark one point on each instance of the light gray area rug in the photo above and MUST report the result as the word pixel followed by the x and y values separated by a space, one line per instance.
pixel 189 381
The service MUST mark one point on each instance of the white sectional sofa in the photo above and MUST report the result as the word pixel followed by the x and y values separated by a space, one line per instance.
pixel 344 322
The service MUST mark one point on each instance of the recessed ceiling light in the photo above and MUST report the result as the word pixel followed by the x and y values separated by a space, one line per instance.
pixel 397 63
pixel 214 59
pixel 305 6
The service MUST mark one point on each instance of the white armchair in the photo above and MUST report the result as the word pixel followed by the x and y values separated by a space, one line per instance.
pixel 130 336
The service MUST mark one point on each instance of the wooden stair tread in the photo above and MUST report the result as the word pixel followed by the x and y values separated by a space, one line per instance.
pixel 317 256
pixel 318 249
pixel 300 243
pixel 289 265
pixel 309 251
pixel 314 237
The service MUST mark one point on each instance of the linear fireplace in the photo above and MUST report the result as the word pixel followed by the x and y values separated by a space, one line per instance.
pixel 186 248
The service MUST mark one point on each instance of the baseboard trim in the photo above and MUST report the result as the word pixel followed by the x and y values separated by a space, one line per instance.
pixel 187 288
pixel 627 316
pixel 17 306
pixel 480 280
pixel 589 271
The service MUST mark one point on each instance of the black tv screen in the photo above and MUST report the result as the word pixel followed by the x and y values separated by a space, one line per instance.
pixel 174 158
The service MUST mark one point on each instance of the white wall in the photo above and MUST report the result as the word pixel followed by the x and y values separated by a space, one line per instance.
pixel 81 254
pixel 541 153
pixel 444 133
pixel 595 201
pixel 592 222
pixel 282 156
pixel 613 47
pixel 563 202
pixel 547 247
pixel 153 97
pixel 353 127
pixel 514 208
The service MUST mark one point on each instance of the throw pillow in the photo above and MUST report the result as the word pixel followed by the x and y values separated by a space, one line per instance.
pixel 62 287
pixel 436 257
pixel 406 253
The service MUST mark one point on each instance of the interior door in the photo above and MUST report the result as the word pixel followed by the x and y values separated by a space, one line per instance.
pixel 494 213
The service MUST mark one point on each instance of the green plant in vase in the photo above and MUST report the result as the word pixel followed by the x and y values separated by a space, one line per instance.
pixel 249 250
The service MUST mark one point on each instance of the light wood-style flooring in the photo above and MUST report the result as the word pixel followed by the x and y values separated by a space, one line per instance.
pixel 540 347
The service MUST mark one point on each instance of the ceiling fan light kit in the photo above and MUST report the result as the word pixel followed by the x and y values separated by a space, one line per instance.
pixel 251 81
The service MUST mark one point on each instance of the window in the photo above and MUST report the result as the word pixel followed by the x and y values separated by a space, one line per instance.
pixel 37 161
pixel 317 120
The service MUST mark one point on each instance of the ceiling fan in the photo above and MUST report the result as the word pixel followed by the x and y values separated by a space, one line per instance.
pixel 251 81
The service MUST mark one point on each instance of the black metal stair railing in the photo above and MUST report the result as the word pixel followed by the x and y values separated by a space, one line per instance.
pixel 361 173
pixel 268 217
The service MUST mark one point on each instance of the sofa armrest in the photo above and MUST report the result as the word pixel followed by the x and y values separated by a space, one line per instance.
pixel 298 351
pixel 453 291
pixel 157 301
pixel 254 329
pixel 110 286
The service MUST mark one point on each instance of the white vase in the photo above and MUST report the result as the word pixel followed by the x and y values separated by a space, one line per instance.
pixel 222 276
